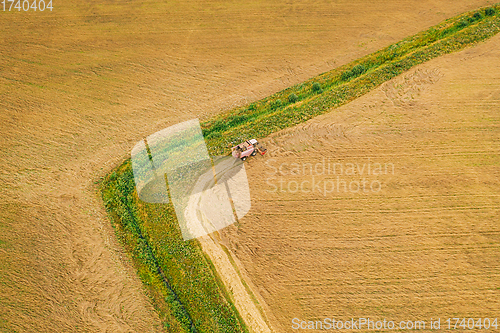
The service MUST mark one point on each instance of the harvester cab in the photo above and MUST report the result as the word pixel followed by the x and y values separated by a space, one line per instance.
pixel 247 148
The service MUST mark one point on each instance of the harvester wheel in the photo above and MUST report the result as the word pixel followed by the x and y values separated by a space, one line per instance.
pixel 243 158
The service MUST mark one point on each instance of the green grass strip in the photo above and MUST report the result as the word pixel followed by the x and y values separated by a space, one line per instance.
pixel 342 85
pixel 183 284
pixel 181 281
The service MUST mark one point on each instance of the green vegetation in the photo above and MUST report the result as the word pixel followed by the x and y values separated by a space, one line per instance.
pixel 354 72
pixel 342 85
pixel 490 11
pixel 292 98
pixel 180 280
pixel 316 87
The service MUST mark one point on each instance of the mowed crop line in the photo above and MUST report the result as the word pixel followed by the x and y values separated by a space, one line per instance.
pixel 370 281
pixel 430 150
pixel 404 198
pixel 369 245
pixel 369 202
pixel 445 201
pixel 276 112
pixel 395 211
pixel 397 206
pixel 342 239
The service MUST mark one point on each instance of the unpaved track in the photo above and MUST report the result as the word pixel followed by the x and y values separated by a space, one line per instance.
pixel 81 85
pixel 232 280
pixel 198 225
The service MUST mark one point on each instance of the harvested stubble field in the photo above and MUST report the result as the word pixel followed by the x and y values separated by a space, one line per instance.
pixel 424 243
pixel 82 84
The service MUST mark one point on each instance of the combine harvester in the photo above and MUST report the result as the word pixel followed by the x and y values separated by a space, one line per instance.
pixel 248 148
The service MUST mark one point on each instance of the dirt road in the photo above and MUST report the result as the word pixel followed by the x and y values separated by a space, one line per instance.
pixel 206 194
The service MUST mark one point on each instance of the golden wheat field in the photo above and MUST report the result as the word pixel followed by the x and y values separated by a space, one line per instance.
pixel 80 85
